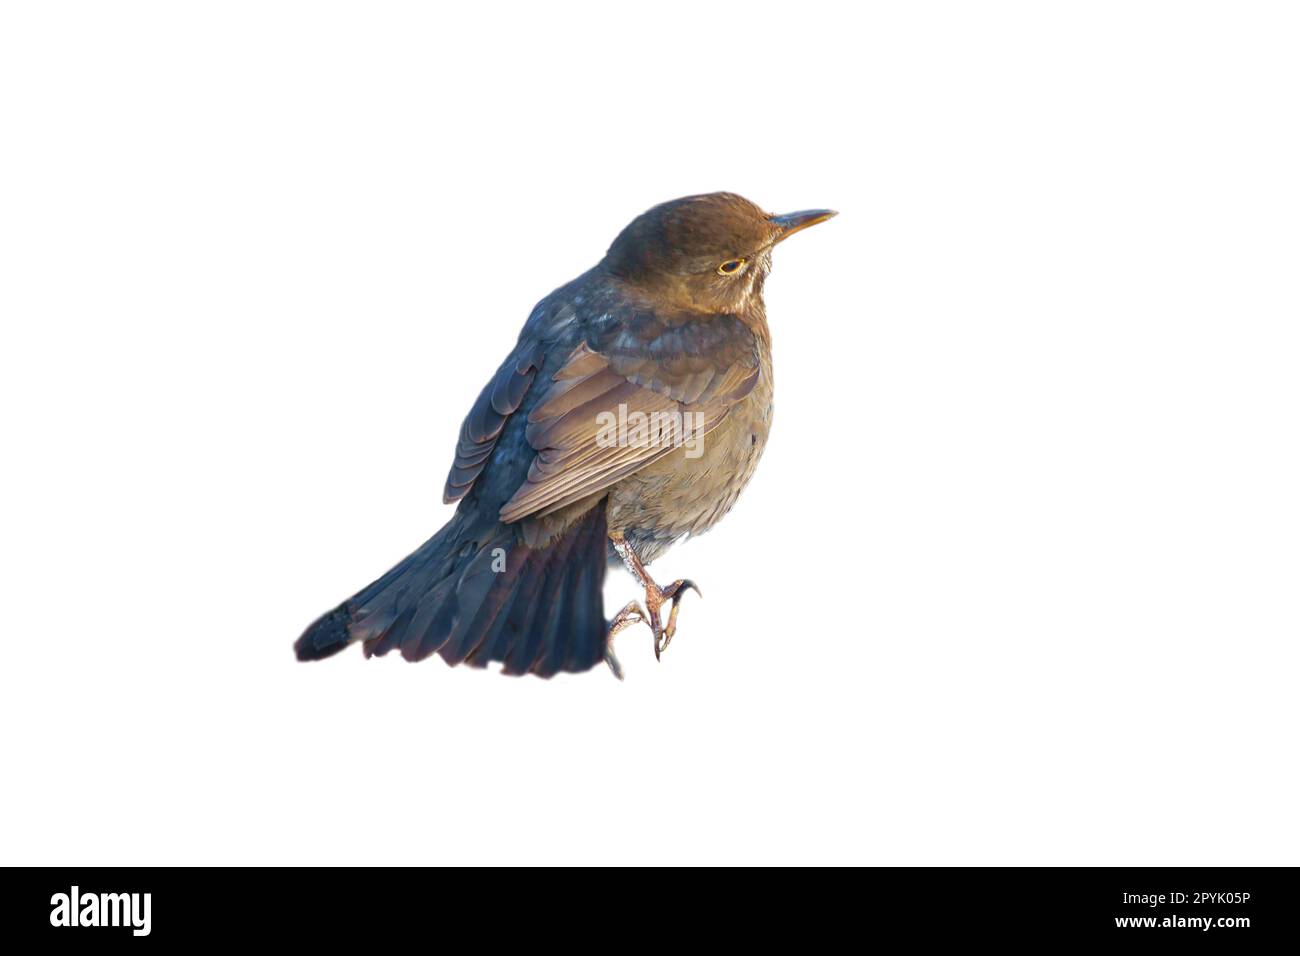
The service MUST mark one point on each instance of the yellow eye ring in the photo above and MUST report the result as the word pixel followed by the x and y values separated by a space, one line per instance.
pixel 731 267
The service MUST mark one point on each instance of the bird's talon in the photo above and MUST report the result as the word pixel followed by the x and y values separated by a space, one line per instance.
pixel 629 616
pixel 678 588
pixel 656 597
pixel 615 667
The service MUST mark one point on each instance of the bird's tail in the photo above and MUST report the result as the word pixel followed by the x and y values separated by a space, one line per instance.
pixel 476 593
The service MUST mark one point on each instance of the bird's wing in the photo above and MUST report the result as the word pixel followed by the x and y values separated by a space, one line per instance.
pixel 499 399
pixel 586 428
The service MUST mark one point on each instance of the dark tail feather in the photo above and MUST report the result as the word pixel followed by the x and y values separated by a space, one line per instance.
pixel 327 636
pixel 387 604
pixel 537 623
pixel 474 593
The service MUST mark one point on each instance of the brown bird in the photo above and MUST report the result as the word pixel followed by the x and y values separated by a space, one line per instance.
pixel 630 414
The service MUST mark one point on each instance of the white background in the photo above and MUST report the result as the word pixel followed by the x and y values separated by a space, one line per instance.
pixel 1015 583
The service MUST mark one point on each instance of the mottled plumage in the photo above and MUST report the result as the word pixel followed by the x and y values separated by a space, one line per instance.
pixel 670 326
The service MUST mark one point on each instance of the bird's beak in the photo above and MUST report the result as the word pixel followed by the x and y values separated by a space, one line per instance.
pixel 792 222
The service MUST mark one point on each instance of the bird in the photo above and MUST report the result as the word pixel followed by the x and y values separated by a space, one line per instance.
pixel 630 414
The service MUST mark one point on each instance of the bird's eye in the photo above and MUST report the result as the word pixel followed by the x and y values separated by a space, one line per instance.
pixel 731 267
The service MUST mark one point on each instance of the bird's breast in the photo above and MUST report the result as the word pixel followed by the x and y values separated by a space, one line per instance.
pixel 688 491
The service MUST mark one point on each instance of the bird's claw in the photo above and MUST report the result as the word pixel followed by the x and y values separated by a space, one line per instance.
pixel 629 616
pixel 655 598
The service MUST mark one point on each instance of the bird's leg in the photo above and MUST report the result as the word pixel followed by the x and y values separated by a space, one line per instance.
pixel 655 596
pixel 630 615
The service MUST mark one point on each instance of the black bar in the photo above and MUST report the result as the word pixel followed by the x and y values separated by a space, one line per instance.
pixel 1224 907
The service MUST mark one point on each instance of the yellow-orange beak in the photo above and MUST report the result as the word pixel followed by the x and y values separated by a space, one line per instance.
pixel 793 222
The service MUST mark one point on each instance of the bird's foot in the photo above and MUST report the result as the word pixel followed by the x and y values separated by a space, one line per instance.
pixel 629 616
pixel 655 598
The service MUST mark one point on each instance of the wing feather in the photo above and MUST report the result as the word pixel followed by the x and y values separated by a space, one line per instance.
pixel 703 367
pixel 499 399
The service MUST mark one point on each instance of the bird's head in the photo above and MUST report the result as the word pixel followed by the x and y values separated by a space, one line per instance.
pixel 706 253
